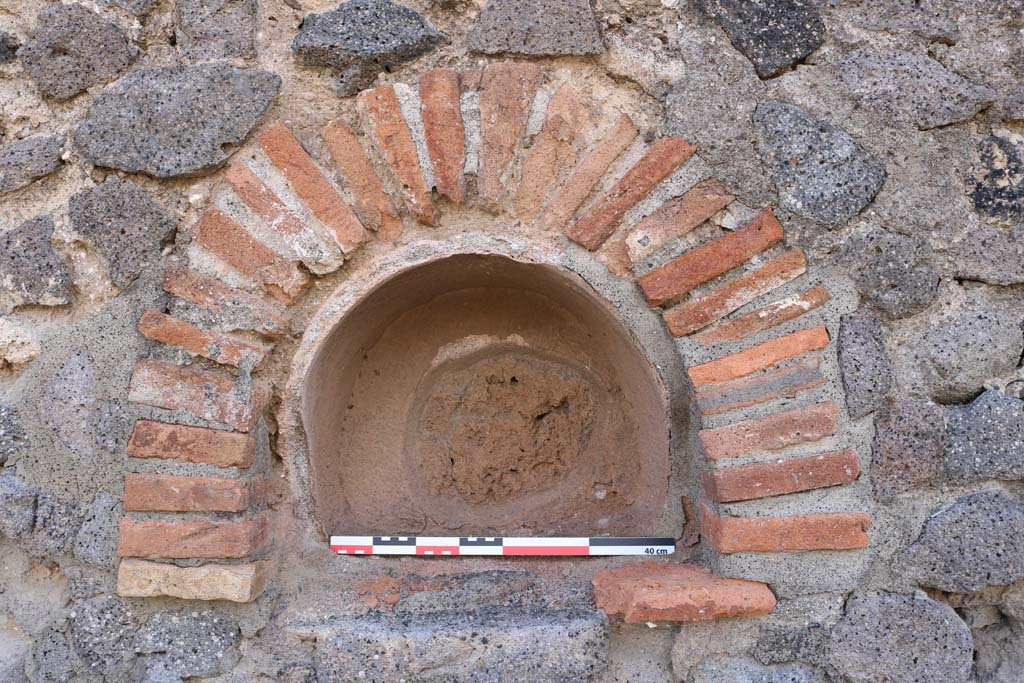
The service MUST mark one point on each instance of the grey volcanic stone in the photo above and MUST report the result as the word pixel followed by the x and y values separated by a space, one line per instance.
pixel 176 120
pixel 12 434
pixel 773 34
pixel 136 7
pixel 362 38
pixel 865 365
pixel 930 19
pixel 52 660
pixel 991 255
pixel 31 272
pixel 8 47
pixel 910 437
pixel 892 273
pixel 102 630
pixel 1012 106
pixel 56 525
pixel 975 542
pixel 73 48
pixel 997 188
pixel 900 639
pixel 183 645
pixel 911 89
pixel 67 403
pixel 123 223
pixel 819 171
pixel 495 644
pixel 778 645
pixel 746 670
pixel 999 652
pixel 536 27
pixel 215 29
pixel 17 506
pixel 27 160
pixel 986 439
pixel 96 542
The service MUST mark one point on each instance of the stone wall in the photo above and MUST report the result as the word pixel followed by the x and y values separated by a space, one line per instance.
pixel 807 214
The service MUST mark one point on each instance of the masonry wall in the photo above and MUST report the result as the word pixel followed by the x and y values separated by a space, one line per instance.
pixel 808 215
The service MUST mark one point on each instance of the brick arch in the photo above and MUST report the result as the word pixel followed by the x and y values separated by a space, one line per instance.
pixel 493 142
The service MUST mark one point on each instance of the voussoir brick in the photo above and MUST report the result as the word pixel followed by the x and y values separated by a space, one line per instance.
pixel 506 97
pixel 383 114
pixel 784 382
pixel 584 178
pixel 193 538
pixel 221 348
pixel 708 261
pixel 720 301
pixel 312 187
pixel 445 131
pixel 595 226
pixel 145 492
pixel 202 445
pixel 262 200
pixel 780 477
pixel 765 317
pixel 211 581
pixel 208 395
pixel 838 531
pixel 759 357
pixel 771 433
pixel 677 217
pixel 247 310
pixel 677 592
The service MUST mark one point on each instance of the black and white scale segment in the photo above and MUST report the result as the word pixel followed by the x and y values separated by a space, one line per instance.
pixel 502 545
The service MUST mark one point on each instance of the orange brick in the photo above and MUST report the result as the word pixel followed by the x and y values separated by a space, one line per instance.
pixel 771 433
pixel 677 592
pixel 208 395
pixel 373 204
pixel 552 152
pixel 508 89
pixel 383 114
pixel 220 348
pixel 584 178
pixel 598 224
pixel 681 275
pixel 222 236
pixel 765 318
pixel 840 531
pixel 779 477
pixel 251 311
pixel 768 386
pixel 748 361
pixel 323 200
pixel 262 200
pixel 192 538
pixel 444 131
pixel 677 217
pixel 167 493
pixel 720 301
pixel 201 445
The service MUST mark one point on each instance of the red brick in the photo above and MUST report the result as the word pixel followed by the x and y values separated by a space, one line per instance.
pixel 222 236
pixel 677 217
pixel 720 301
pixel 552 152
pixel 200 445
pixel 779 477
pixel 193 538
pixel 771 433
pixel 444 131
pixel 220 348
pixel 167 493
pixel 209 395
pixel 310 185
pixel 598 224
pixel 706 262
pixel 759 357
pixel 677 592
pixel 508 89
pixel 383 114
pixel 262 200
pixel 840 531
pixel 742 393
pixel 765 318
pixel 584 178
pixel 373 204
pixel 253 312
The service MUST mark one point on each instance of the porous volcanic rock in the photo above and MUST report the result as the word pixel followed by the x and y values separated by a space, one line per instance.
pixel 31 272
pixel 865 365
pixel 190 644
pixel 24 161
pixel 177 120
pixel 216 30
pixel 910 436
pixel 536 27
pixel 102 631
pixel 746 670
pixel 986 439
pixel 892 273
pixel 12 435
pixel 997 188
pixel 8 47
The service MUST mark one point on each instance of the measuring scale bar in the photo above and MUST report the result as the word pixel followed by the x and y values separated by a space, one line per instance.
pixel 508 546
